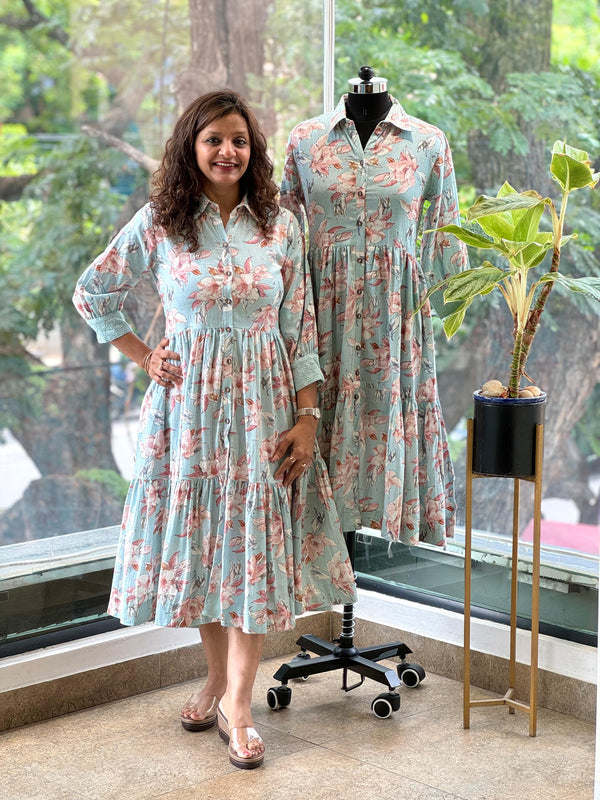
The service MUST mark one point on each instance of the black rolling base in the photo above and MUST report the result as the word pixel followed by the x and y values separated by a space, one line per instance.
pixel 343 655
pixel 334 656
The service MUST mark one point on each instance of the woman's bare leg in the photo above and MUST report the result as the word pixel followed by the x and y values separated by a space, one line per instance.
pixel 214 642
pixel 243 658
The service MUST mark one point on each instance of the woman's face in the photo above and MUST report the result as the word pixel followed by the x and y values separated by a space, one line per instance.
pixel 223 153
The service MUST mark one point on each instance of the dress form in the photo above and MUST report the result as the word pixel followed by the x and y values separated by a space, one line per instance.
pixel 367 102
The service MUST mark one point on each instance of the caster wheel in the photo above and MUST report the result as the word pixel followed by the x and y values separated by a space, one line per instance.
pixel 385 704
pixel 279 697
pixel 411 675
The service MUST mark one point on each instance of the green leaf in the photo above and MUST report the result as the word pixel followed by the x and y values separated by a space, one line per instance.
pixel 499 226
pixel 453 321
pixel 528 223
pixel 466 236
pixel 589 286
pixel 485 206
pixel 571 167
pixel 467 285
pixel 534 253
pixel 506 189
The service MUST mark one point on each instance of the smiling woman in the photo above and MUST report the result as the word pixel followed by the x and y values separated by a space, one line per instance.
pixel 229 523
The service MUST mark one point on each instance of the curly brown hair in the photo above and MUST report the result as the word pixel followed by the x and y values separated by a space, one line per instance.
pixel 178 181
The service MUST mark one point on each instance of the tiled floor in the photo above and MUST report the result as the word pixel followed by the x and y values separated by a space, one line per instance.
pixel 326 745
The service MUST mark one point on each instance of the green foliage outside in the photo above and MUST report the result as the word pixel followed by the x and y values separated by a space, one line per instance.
pixel 111 482
pixel 91 59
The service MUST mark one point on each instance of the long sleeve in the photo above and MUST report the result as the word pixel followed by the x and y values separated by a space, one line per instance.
pixel 442 255
pixel 297 314
pixel 291 196
pixel 102 288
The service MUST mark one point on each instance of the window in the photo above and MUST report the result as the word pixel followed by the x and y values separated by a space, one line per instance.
pixel 89 94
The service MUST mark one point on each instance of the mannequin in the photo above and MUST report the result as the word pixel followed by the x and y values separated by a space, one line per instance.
pixel 367 188
pixel 370 178
pixel 367 102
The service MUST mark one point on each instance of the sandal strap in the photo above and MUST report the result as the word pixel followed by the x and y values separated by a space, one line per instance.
pixel 251 736
pixel 211 711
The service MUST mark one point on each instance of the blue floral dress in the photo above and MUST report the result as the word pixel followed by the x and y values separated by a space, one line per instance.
pixel 382 433
pixel 208 534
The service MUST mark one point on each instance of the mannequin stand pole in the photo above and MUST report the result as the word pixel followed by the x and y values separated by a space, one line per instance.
pixel 508 698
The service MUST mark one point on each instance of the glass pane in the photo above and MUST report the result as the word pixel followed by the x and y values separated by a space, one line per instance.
pixel 90 92
pixel 504 82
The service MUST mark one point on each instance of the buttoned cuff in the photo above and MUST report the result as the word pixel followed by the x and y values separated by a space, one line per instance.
pixel 109 327
pixel 306 370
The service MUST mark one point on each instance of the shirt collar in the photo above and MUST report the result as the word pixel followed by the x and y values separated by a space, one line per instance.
pixel 204 203
pixel 397 116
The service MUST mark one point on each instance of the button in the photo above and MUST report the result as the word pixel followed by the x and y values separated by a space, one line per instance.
pixel 228 330
pixel 226 420
pixel 357 373
pixel 359 315
pixel 228 360
pixel 360 259
pixel 359 291
pixel 357 397
pixel 361 193
pixel 227 301
pixel 357 347
pixel 227 389
pixel 228 272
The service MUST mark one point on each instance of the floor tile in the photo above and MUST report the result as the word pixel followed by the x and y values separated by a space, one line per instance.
pixel 319 775
pixel 327 743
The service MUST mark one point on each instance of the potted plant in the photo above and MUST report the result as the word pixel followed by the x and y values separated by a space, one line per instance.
pixel 509 224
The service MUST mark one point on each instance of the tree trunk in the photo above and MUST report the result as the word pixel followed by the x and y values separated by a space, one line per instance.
pixel 61 417
pixel 227 51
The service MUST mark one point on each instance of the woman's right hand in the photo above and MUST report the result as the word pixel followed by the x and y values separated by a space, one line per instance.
pixel 160 367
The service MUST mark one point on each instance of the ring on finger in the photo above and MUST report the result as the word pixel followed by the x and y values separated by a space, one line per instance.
pixel 292 459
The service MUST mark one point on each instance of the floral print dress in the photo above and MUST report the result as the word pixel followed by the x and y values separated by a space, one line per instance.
pixel 382 433
pixel 208 534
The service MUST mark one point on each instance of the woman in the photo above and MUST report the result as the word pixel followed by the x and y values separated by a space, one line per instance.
pixel 229 523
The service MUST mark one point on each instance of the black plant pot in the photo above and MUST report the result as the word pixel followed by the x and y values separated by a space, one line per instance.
pixel 504 433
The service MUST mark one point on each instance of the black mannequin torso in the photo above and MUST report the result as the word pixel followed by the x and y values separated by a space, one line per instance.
pixel 367 103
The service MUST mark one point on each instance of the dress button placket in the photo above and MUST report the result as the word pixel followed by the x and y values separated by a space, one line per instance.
pixel 227 375
pixel 359 277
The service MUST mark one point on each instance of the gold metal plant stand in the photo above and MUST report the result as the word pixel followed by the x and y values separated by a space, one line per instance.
pixel 507 699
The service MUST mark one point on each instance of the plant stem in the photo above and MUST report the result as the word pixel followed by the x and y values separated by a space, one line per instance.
pixel 515 368
pixel 533 318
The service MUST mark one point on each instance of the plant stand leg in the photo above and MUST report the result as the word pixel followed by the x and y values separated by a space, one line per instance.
pixel 467 592
pixel 508 698
pixel 535 586
pixel 514 594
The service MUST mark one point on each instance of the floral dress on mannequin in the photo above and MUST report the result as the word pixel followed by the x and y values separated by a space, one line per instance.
pixel 382 433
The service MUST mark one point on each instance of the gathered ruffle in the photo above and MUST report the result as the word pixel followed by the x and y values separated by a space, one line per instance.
pixel 249 555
